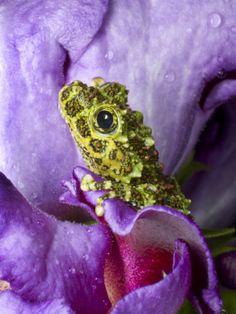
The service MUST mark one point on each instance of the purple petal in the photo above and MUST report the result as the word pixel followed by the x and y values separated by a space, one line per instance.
pixel 44 259
pixel 213 191
pixel 10 303
pixel 166 296
pixel 38 40
pixel 226 267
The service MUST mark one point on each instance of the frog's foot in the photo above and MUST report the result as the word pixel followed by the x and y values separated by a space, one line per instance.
pixel 99 209
pixel 89 184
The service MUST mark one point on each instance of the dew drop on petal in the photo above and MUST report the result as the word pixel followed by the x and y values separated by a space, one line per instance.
pixel 215 20
pixel 233 29
pixel 109 55
pixel 86 257
pixel 221 74
pixel 57 262
pixel 72 270
pixel 169 77
pixel 220 59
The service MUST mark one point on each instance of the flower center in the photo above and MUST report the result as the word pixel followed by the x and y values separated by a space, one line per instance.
pixel 129 267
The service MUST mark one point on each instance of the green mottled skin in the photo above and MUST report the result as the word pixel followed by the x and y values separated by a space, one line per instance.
pixel 124 155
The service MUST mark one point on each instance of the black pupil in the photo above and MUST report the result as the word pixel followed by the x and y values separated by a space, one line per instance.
pixel 105 119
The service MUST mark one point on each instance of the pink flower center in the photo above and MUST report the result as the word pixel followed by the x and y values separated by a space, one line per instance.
pixel 130 265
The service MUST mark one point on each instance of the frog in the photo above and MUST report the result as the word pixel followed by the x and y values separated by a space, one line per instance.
pixel 118 146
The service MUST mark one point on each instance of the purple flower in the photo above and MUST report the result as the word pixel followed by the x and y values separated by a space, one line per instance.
pixel 177 59
pixel 148 261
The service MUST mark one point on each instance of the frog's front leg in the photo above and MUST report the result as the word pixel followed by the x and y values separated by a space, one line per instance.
pixel 138 195
pixel 121 190
pixel 89 184
pixel 116 190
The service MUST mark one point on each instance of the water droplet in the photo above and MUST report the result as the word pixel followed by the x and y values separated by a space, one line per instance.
pixel 221 74
pixel 27 220
pixel 233 29
pixel 169 77
pixel 34 196
pixel 220 59
pixel 35 270
pixel 215 20
pixel 57 262
pixel 20 184
pixel 68 232
pixel 86 257
pixel 41 246
pixel 72 270
pixel 109 55
pixel 34 155
pixel 105 302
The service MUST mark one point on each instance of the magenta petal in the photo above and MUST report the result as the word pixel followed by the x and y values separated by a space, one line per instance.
pixel 165 296
pixel 45 259
pixel 161 227
pixel 10 303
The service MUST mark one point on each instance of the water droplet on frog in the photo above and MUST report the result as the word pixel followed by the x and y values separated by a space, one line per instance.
pixel 109 55
pixel 215 20
pixel 169 77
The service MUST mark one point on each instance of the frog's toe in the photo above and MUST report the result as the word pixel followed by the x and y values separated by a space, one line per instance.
pixel 99 210
pixel 86 183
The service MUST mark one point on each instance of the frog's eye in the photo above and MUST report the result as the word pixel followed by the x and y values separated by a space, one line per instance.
pixel 105 121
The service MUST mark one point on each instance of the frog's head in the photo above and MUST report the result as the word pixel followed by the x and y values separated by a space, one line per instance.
pixel 110 135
